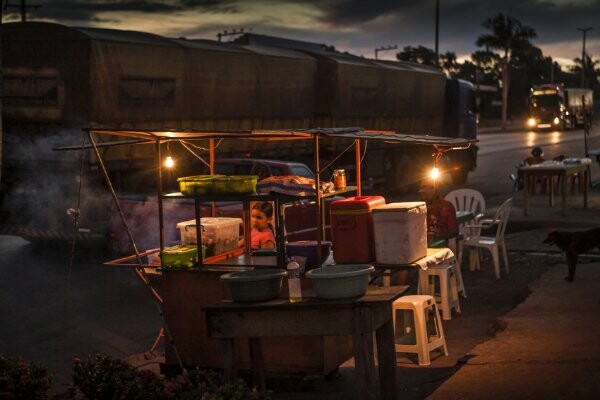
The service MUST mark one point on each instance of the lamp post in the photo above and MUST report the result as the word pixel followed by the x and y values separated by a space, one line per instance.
pixel 384 48
pixel 437 31
pixel 584 31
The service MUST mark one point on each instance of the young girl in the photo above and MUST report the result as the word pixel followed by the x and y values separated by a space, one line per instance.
pixel 261 217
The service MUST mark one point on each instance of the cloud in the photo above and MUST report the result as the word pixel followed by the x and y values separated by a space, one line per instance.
pixel 357 26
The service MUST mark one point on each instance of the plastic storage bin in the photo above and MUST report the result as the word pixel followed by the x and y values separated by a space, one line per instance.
pixel 400 232
pixel 219 234
pixel 180 256
pixel 197 184
pixel 235 184
pixel 352 229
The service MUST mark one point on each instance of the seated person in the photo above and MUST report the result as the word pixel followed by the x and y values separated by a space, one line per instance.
pixel 261 218
pixel 537 157
pixel 441 214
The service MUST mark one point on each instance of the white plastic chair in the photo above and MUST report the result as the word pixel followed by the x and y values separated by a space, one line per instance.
pixel 473 238
pixel 464 200
pixel 467 200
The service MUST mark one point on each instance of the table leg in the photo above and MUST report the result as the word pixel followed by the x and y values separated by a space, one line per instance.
pixel 362 341
pixel 386 353
pixel 525 192
pixel 257 363
pixel 229 360
pixel 563 193
pixel 586 175
pixel 551 195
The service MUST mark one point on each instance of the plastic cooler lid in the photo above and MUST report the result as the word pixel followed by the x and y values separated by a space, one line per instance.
pixel 394 207
pixel 364 203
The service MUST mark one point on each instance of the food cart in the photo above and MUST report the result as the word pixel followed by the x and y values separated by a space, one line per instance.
pixel 184 292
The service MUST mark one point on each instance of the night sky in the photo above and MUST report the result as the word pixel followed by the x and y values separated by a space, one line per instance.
pixel 357 26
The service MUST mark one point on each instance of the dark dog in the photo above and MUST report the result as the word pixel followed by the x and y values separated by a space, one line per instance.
pixel 573 244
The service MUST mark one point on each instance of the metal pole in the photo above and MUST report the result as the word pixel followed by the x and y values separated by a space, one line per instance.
pixel 1 91
pixel 584 31
pixel 437 30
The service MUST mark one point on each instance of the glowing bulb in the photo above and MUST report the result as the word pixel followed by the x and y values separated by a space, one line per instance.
pixel 169 162
pixel 434 173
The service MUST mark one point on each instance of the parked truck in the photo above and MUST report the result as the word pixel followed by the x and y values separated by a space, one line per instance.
pixel 58 79
pixel 559 107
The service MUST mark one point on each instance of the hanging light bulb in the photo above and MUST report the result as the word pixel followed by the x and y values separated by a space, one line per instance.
pixel 169 162
pixel 434 173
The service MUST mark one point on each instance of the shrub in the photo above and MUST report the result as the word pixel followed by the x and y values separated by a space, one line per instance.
pixel 101 377
pixel 23 380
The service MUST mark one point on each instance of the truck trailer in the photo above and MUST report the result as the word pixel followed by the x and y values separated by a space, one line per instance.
pixel 60 79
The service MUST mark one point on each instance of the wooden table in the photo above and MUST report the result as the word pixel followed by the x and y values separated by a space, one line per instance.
pixel 560 169
pixel 356 317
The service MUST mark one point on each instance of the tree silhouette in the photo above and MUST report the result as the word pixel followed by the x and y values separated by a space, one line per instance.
pixel 508 35
pixel 420 54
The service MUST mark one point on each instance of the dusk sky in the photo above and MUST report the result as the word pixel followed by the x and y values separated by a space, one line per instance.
pixel 356 26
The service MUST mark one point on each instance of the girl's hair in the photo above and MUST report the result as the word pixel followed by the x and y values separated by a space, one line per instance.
pixel 267 208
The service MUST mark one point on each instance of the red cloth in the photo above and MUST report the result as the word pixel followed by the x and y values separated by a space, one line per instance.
pixel 441 218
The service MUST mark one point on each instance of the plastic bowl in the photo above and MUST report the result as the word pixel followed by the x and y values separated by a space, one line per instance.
pixel 340 281
pixel 308 249
pixel 254 285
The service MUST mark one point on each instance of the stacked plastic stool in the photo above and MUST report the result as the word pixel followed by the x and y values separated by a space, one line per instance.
pixel 421 332
pixel 446 291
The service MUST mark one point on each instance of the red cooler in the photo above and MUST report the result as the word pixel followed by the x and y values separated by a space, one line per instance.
pixel 352 229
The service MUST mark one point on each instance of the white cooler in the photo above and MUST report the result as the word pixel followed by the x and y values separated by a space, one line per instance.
pixel 400 231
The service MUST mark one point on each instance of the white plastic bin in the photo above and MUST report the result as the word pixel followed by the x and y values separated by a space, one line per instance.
pixel 219 234
pixel 400 231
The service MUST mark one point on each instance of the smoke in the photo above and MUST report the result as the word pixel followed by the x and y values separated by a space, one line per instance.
pixel 40 184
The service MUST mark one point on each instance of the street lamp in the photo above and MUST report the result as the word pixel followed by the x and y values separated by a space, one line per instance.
pixel 584 31
pixel 437 31
pixel 384 48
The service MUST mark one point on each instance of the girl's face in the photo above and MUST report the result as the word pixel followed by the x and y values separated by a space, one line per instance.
pixel 259 220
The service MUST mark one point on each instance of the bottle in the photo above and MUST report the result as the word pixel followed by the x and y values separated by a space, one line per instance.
pixel 293 270
pixel 339 179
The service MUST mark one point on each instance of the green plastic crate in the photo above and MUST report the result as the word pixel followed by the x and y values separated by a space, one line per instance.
pixel 180 256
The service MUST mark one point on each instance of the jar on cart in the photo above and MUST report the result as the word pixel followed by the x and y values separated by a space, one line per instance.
pixel 339 179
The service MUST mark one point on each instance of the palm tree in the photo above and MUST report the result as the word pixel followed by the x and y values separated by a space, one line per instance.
pixel 508 34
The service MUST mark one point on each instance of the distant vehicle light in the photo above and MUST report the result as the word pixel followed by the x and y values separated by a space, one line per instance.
pixel 531 122
pixel 556 121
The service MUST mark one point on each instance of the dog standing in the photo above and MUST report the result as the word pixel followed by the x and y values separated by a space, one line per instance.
pixel 573 244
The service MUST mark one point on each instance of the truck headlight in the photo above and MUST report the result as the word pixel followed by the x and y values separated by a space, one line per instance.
pixel 531 122
pixel 556 121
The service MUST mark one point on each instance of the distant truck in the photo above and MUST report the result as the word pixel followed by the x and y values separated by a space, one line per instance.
pixel 555 106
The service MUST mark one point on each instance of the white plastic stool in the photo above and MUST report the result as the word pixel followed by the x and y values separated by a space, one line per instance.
pixel 447 296
pixel 456 245
pixel 415 337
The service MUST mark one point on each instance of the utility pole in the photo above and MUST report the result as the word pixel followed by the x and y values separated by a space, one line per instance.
pixel 23 6
pixel 584 31
pixel 384 48
pixel 1 93
pixel 437 31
